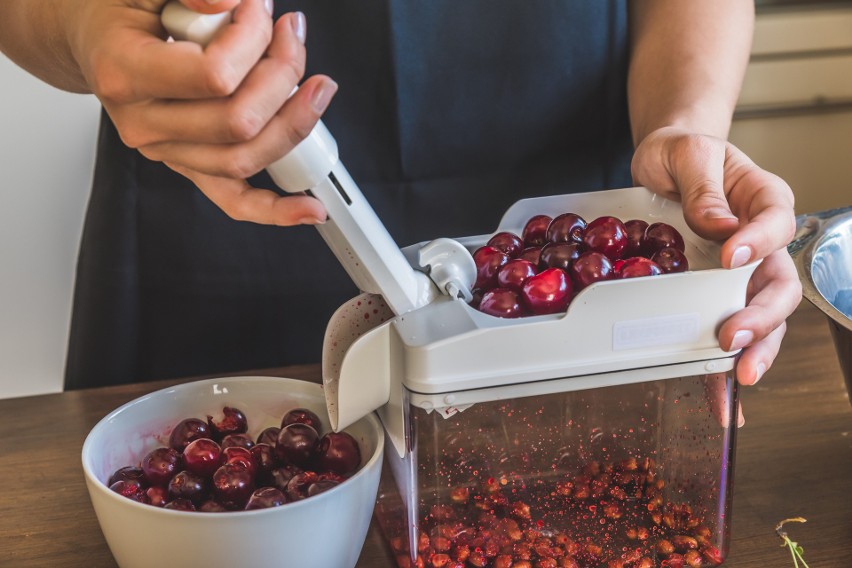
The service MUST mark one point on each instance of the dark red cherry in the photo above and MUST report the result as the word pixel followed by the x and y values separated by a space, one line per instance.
pixel 547 292
pixel 232 486
pixel 321 486
pixel 296 444
pixel 514 273
pixel 635 238
pixel 488 261
pixel 531 254
pixel 567 227
pixel 501 303
pixel 180 505
pixel 211 506
pixel 508 243
pixel 263 456
pixel 589 268
pixel 160 465
pixel 202 457
pixel 126 474
pixel 338 452
pixel 281 476
pixel 189 486
pixel 671 260
pixel 130 488
pixel 265 498
pixel 157 496
pixel 232 421
pixel 560 255
pixel 638 266
pixel 302 416
pixel 186 431
pixel 476 297
pixel 237 440
pixel 535 231
pixel 606 235
pixel 268 436
pixel 239 456
pixel 661 235
pixel 297 487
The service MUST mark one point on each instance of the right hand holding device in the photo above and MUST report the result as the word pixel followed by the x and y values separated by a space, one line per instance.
pixel 217 114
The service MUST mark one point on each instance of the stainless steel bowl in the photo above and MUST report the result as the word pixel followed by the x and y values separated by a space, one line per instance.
pixel 822 250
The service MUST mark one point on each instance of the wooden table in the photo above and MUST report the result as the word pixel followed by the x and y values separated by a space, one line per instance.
pixel 794 458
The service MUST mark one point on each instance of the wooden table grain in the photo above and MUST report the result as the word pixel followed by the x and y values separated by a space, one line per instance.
pixel 794 458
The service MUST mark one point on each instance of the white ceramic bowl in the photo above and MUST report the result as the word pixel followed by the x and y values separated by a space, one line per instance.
pixel 324 531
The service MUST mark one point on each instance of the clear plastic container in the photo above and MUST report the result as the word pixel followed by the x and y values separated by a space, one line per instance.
pixel 630 475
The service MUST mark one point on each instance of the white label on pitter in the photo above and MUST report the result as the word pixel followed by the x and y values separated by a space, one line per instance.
pixel 650 332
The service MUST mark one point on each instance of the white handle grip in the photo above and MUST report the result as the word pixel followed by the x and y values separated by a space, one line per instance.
pixel 353 231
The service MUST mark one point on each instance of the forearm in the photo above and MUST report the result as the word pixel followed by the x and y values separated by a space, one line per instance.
pixel 687 62
pixel 33 35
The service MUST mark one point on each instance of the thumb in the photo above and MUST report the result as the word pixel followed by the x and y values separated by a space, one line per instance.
pixel 698 172
pixel 210 6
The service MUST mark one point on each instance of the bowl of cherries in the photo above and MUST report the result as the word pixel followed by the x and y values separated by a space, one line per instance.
pixel 240 471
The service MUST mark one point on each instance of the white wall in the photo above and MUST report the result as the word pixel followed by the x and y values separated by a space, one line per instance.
pixel 47 142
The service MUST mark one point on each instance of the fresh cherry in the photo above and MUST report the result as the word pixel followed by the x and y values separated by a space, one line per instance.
pixel 237 440
pixel 202 457
pixel 211 506
pixel 189 486
pixel 321 486
pixel 531 254
pixel 127 473
pixel 301 416
pixel 508 243
pixel 671 260
pixel 589 268
pixel 265 498
pixel 186 431
pixel 514 273
pixel 233 421
pixel 488 261
pixel 635 238
pixel 263 456
pixel 501 303
pixel 130 488
pixel 338 452
pixel 606 235
pixel 232 485
pixel 638 266
pixel 158 496
pixel 281 476
pixel 296 444
pixel 547 292
pixel 268 436
pixel 297 487
pixel 535 230
pixel 567 227
pixel 560 255
pixel 180 505
pixel 662 235
pixel 160 464
pixel 239 456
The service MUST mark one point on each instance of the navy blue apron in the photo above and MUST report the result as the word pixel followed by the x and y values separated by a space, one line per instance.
pixel 447 112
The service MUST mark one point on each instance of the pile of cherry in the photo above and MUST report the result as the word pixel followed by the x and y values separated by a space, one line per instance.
pixel 540 271
pixel 213 465
pixel 610 516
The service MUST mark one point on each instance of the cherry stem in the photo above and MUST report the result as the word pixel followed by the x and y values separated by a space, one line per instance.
pixel 795 549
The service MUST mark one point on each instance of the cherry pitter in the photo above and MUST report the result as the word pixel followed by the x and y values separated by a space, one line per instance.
pixel 601 435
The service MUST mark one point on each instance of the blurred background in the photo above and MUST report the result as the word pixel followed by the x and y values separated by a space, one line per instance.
pixel 794 118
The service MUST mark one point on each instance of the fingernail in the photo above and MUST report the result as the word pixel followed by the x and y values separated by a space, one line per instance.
pixel 311 221
pixel 269 5
pixel 761 368
pixel 322 95
pixel 299 27
pixel 741 338
pixel 740 420
pixel 740 257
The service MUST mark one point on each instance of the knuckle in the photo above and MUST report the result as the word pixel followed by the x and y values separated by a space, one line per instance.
pixel 241 165
pixel 109 82
pixel 296 132
pixel 243 123
pixel 221 78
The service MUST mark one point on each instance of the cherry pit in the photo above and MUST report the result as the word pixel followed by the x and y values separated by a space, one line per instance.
pixel 213 465
pixel 541 270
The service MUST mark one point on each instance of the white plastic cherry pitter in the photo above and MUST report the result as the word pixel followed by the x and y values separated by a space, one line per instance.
pixel 432 351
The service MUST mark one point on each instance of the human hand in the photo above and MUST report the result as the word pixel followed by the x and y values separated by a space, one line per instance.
pixel 728 197
pixel 217 114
